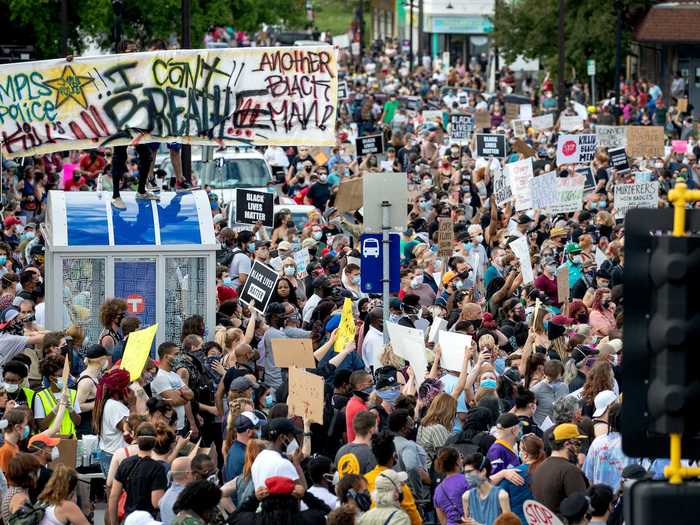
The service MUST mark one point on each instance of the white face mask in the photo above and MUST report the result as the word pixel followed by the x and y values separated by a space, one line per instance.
pixel 479 239
pixel 11 388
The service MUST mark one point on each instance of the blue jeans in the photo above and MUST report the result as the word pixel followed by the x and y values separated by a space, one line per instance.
pixel 105 458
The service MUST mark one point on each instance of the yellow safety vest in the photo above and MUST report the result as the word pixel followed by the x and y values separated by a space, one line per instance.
pixel 48 402
pixel 29 394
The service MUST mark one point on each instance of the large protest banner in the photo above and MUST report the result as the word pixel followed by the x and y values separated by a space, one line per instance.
pixel 519 175
pixel 570 194
pixel 284 96
pixel 637 195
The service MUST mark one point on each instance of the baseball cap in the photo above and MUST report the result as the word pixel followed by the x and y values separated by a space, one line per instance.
pixel 385 377
pixel 219 218
pixel 282 425
pixel 574 507
pixel 567 431
pixel 7 316
pixel 557 232
pixel 508 420
pixel 562 320
pixel 42 441
pixel 279 485
pixel 245 421
pixel 308 243
pixel 242 383
pixel 602 401
pixel 448 277
pixel 284 245
pixel 11 220
pixel 573 247
pixel 523 218
pixel 95 352
pixel 389 481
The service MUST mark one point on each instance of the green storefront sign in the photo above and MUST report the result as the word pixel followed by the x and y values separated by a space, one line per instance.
pixel 467 24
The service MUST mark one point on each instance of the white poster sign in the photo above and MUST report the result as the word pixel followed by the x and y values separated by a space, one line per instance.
pixel 637 195
pixel 575 149
pixel 544 190
pixel 522 252
pixel 453 346
pixel 519 175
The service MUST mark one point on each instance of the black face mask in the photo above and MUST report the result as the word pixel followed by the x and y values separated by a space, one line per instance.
pixel 363 500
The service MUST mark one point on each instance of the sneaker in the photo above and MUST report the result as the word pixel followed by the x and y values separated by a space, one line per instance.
pixel 148 196
pixel 118 203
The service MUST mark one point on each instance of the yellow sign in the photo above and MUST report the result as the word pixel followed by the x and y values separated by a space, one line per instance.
pixel 346 329
pixel 138 345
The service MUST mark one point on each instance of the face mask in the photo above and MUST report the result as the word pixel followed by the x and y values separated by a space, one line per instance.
pixel 292 447
pixel 228 281
pixel 251 247
pixel 55 454
pixel 317 236
pixel 11 388
pixel 356 279
pixel 390 395
pixel 425 205
pixel 459 285
pixel 323 178
pixel 416 281
pixel 3 259
pixel 473 479
pixel 147 378
pixel 213 479
pixel 59 383
pixel 576 259
pixel 289 270
pixel 488 383
pixel 363 500
pixel 269 401
pixel 25 432
pixel 27 235
pixel 427 183
pixel 479 239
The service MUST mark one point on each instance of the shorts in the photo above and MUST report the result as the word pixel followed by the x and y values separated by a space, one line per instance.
pixel 174 146
pixel 105 459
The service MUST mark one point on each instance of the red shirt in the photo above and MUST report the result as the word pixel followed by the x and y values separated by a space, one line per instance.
pixel 548 286
pixel 354 406
pixel 73 185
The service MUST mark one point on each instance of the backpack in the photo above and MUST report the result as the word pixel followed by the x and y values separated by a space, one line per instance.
pixel 225 255
pixel 28 514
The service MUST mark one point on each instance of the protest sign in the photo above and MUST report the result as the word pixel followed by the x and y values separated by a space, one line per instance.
pixel 570 123
pixel 276 263
pixel 461 128
pixel 342 90
pixel 214 97
pixel 289 352
pixel 306 395
pixel 544 190
pixel 346 328
pixel 259 286
pixel 521 147
pixel 518 127
pixel 599 257
pixel 587 173
pixel 349 197
pixel 490 145
pixel 575 149
pixel 679 146
pixel 611 136
pixel 319 155
pixel 453 346
pixel 538 514
pixel 369 145
pixel 138 346
pixel 438 325
pixel 254 206
pixel 522 252
pixel 645 141
pixel 636 195
pixel 512 111
pixel 519 174
pixel 482 120
pixel 525 112
pixel 302 258
pixel 446 235
pixel 563 284
pixel 642 176
pixel 542 122
pixel 432 115
pixel 682 105
pixel 617 158
pixel 570 195
pixel 409 344
pixel 501 189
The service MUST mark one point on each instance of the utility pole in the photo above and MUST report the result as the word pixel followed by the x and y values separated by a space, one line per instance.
pixel 410 36
pixel 420 32
pixel 64 27
pixel 562 57
pixel 618 49
pixel 117 6
pixel 186 151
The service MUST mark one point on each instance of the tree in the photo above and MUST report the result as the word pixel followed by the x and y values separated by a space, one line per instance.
pixel 529 28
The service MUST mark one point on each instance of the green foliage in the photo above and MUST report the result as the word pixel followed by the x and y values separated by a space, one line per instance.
pixel 37 22
pixel 530 28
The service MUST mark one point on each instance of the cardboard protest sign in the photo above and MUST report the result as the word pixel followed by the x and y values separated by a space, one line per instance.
pixel 575 149
pixel 519 175
pixel 570 123
pixel 408 343
pixel 521 147
pixel 482 120
pixel 346 328
pixel 611 136
pixel 369 145
pixel 214 97
pixel 319 155
pixel 521 250
pixel 525 112
pixel 461 128
pixel 349 197
pixel 682 105
pixel 306 395
pixel 679 146
pixel 544 190
pixel 501 189
pixel 518 127
pixel 138 346
pixel 563 284
pixel 490 145
pixel 512 111
pixel 446 235
pixel 342 90
pixel 569 195
pixel 543 122
pixel 453 346
pixel 254 206
pixel 617 158
pixel 289 352
pixel 259 286
pixel 636 195
pixel 538 514
pixel 645 141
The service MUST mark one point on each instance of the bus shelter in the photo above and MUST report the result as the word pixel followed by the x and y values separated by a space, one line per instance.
pixel 159 256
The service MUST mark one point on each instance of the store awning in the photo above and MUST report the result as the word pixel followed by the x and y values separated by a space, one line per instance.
pixel 672 23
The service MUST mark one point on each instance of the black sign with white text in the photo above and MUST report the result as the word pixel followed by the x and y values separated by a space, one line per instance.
pixel 490 145
pixel 618 159
pixel 259 286
pixel 342 90
pixel 461 127
pixel 254 206
pixel 369 145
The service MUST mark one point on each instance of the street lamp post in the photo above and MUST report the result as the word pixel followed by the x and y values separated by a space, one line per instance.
pixel 186 21
pixel 117 7
pixel 618 49
pixel 562 57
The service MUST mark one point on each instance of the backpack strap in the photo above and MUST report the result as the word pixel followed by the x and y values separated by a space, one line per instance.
pixel 386 522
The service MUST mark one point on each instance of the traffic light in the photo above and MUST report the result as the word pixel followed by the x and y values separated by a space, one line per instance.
pixel 661 361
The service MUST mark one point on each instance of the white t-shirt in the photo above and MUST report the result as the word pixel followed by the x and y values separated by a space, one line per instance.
pixel 39 406
pixel 270 463
pixel 111 438
pixel 164 381
pixel 325 495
